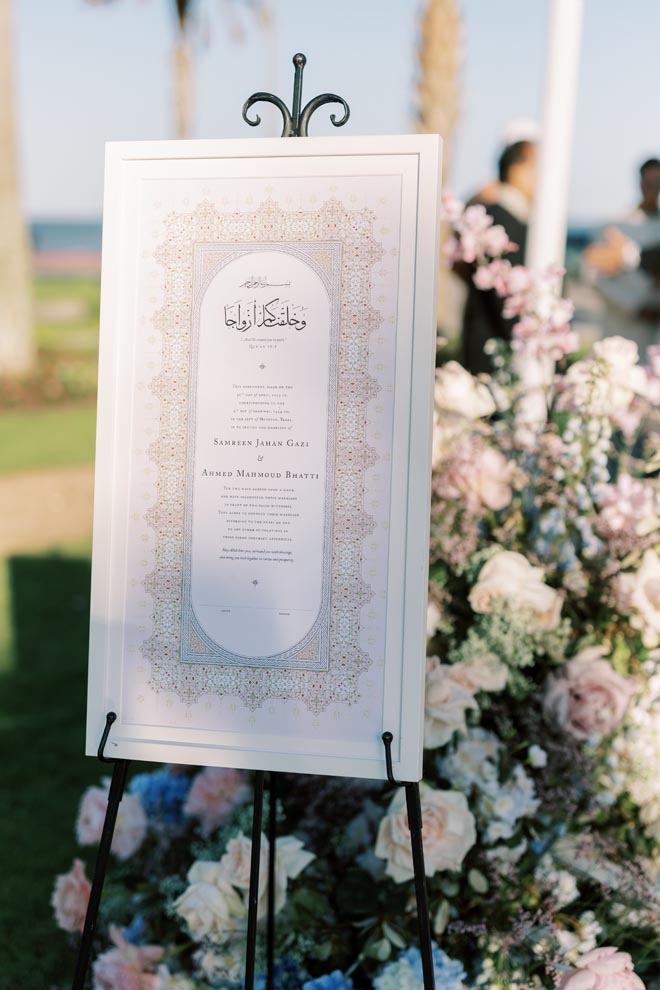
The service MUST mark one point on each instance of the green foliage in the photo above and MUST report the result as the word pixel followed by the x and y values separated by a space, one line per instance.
pixel 47 438
pixel 43 769
pixel 67 321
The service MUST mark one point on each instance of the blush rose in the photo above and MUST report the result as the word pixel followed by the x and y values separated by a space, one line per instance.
pixel 603 969
pixel 509 577
pixel 589 699
pixel 130 827
pixel 481 475
pixel 213 794
pixel 446 702
pixel 449 833
pixel 71 897
pixel 640 593
pixel 127 966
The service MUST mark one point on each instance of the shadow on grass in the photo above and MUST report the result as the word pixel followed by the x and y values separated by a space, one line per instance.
pixel 42 767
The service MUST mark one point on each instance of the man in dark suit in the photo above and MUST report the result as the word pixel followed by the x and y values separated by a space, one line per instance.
pixel 509 203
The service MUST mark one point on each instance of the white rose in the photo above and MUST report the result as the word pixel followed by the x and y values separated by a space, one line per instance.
pixel 433 616
pixel 626 377
pixel 291 858
pixel 538 758
pixel 210 904
pixel 446 702
pixel 569 851
pixel 482 673
pixel 617 350
pixel 641 591
pixel 508 855
pixel 562 884
pixel 509 577
pixel 164 980
pixel 474 761
pixel 457 391
pixel 449 833
pixel 235 865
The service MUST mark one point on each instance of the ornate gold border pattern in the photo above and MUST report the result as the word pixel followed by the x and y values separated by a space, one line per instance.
pixel 316 689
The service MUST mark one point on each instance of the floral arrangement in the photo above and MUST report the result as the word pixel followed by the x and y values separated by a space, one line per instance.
pixel 541 793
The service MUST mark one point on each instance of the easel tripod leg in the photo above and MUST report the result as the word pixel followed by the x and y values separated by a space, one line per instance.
pixel 414 806
pixel 272 851
pixel 253 897
pixel 117 785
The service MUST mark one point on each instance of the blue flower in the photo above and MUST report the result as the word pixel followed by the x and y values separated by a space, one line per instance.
pixel 137 930
pixel 163 794
pixel 287 975
pixel 406 973
pixel 330 981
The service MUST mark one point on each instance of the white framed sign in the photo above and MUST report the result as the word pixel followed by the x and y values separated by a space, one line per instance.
pixel 260 556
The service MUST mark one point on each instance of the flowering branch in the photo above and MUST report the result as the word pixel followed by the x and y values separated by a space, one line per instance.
pixel 543 328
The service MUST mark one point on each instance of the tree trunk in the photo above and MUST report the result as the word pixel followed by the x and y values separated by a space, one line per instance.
pixel 182 84
pixel 16 341
pixel 440 56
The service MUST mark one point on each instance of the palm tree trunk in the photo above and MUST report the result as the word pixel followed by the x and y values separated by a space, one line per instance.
pixel 440 56
pixel 182 84
pixel 16 340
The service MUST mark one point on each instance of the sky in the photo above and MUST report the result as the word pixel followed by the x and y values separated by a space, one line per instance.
pixel 87 72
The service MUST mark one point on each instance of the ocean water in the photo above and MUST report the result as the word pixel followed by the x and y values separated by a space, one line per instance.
pixel 66 235
pixel 85 235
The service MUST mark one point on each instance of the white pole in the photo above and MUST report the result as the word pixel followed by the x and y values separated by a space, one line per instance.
pixel 546 242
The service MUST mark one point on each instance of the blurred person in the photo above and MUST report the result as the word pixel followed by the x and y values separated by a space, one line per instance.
pixel 617 253
pixel 509 202
pixel 649 182
pixel 627 263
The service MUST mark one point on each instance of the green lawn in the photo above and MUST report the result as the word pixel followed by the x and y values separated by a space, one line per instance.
pixel 57 437
pixel 66 300
pixel 44 621
pixel 42 769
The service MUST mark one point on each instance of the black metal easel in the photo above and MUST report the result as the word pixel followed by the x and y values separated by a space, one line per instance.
pixel 117 785
pixel 295 124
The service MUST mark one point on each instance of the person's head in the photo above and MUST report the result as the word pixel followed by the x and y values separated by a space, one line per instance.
pixel 517 167
pixel 649 181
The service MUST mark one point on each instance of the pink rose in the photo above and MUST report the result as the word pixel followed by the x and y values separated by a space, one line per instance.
pixel 589 700
pixel 478 476
pixel 603 969
pixel 449 833
pixel 70 898
pixel 639 593
pixel 127 967
pixel 482 672
pixel 213 794
pixel 627 506
pixel 482 476
pixel 130 828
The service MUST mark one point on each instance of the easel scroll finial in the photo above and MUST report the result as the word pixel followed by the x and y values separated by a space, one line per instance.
pixel 110 719
pixel 296 121
pixel 388 738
